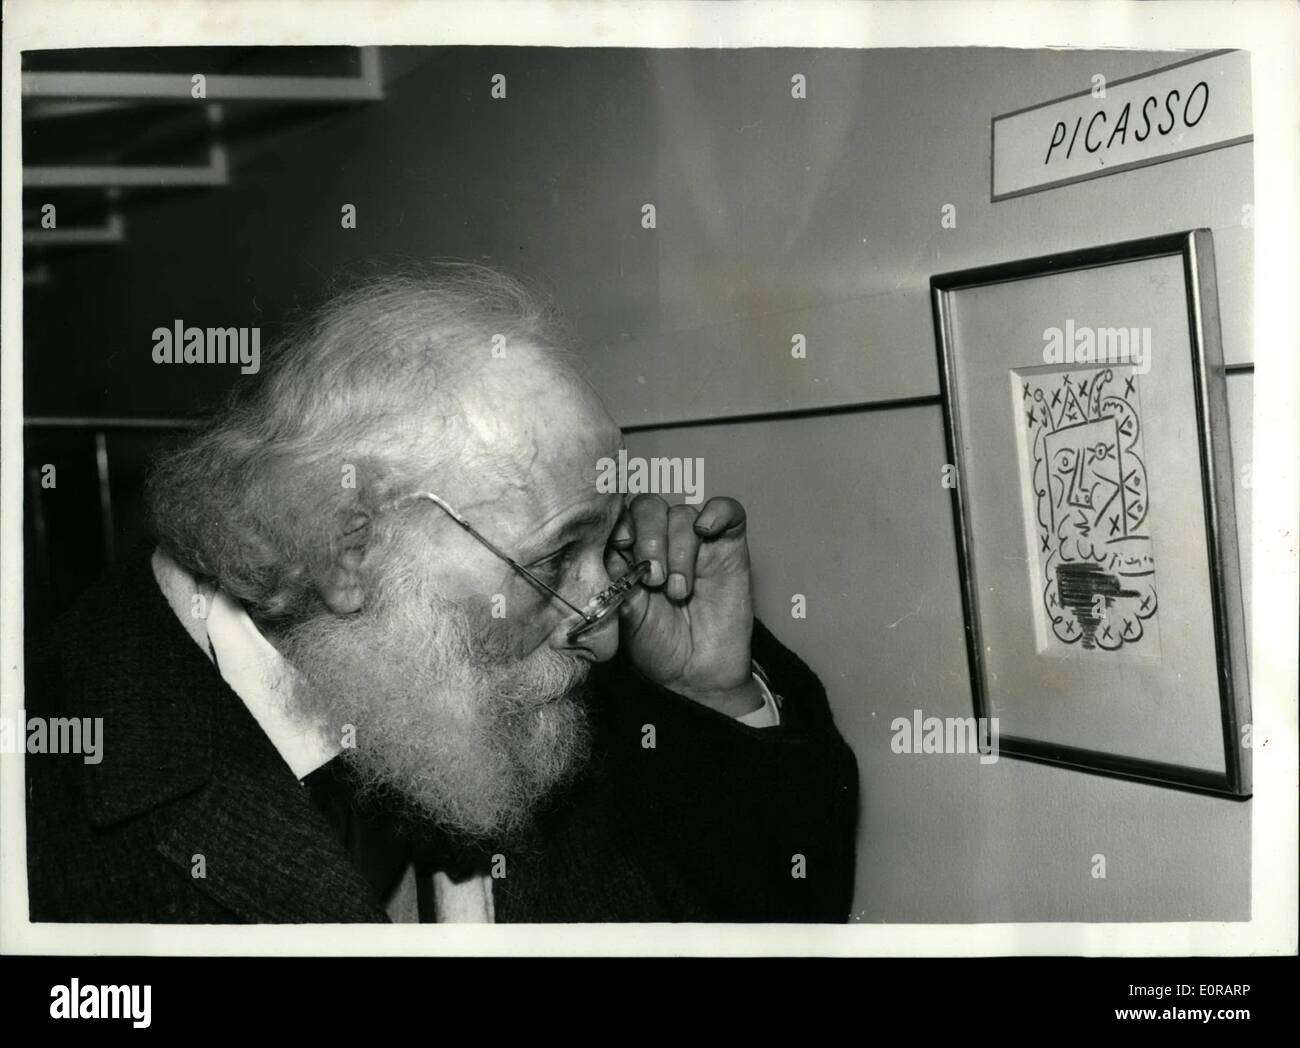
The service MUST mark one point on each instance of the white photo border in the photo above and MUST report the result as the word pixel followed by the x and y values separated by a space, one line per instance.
pixel 1269 30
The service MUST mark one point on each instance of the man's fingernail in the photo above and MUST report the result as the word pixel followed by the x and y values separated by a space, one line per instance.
pixel 677 586
pixel 703 525
pixel 656 573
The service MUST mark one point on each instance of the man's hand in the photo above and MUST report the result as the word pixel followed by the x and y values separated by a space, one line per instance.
pixel 688 628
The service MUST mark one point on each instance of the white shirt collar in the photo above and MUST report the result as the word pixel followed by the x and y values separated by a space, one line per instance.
pixel 248 662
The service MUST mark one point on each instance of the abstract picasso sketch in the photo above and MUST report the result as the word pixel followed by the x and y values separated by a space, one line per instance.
pixel 1086 480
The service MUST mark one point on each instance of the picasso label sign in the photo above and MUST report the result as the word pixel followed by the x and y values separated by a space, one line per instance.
pixel 1181 109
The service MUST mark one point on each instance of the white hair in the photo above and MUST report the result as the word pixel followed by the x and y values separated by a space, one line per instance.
pixel 257 501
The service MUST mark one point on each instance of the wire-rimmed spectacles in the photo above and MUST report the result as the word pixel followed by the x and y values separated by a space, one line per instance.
pixel 596 610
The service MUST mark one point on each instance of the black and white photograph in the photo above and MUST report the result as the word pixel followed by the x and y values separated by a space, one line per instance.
pixel 585 469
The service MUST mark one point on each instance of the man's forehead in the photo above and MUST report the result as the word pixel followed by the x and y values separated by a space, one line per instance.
pixel 550 503
pixel 530 451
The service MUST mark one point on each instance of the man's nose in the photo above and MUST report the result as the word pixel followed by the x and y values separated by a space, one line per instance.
pixel 598 644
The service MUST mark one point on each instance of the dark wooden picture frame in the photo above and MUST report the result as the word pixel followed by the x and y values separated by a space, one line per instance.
pixel 1195 247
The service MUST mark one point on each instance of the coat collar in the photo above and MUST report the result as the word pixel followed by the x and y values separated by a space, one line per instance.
pixel 250 665
pixel 181 747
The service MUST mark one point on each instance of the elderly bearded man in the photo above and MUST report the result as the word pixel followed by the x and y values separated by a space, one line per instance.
pixel 395 657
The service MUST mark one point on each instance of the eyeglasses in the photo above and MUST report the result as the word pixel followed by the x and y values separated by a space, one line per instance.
pixel 596 610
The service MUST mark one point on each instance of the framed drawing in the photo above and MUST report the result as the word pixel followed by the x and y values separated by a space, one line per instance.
pixel 1086 414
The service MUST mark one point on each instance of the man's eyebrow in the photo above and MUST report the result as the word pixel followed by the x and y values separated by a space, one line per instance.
pixel 588 518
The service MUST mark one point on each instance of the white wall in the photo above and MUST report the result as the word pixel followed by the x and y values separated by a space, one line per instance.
pixel 822 218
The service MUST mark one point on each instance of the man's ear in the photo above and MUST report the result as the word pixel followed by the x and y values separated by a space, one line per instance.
pixel 340 585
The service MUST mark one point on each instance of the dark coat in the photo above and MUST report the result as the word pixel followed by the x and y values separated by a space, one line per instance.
pixel 703 827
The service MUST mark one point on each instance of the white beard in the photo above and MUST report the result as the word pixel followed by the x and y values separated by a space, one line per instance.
pixel 470 740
